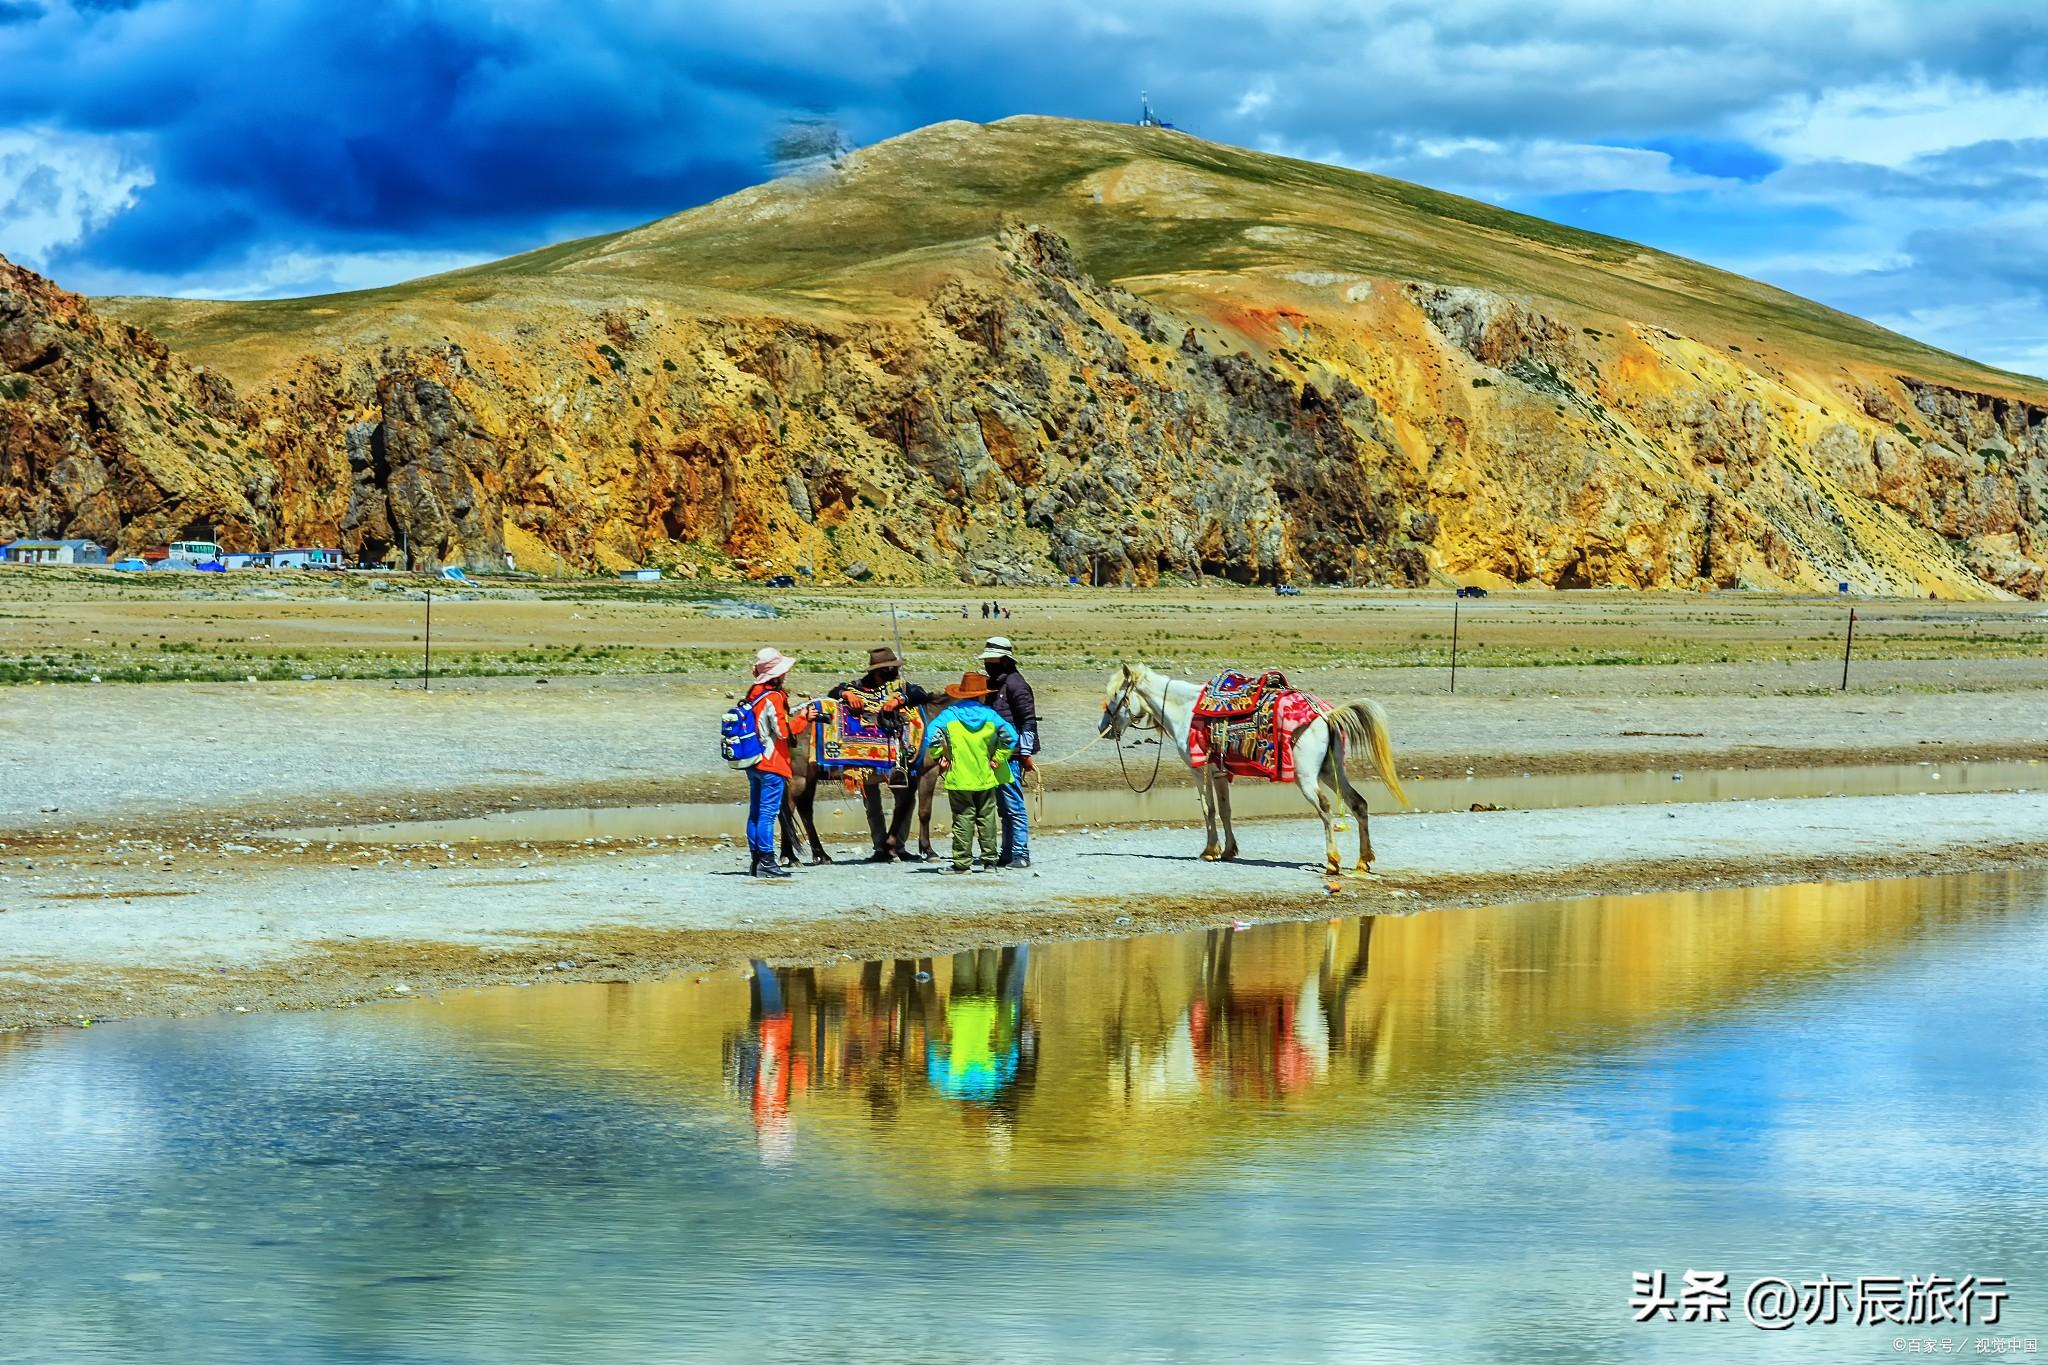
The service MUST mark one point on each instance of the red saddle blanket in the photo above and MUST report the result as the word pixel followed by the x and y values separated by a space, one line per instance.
pixel 1248 725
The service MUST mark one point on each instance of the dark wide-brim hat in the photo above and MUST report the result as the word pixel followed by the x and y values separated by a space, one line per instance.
pixel 970 686
pixel 884 657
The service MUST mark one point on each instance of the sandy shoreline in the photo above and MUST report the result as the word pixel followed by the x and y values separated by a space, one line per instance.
pixel 206 930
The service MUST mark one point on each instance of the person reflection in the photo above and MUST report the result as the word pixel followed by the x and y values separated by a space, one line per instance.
pixel 764 1068
pixel 987 1041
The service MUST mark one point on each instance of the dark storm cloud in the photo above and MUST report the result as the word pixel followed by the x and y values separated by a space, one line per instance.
pixel 365 124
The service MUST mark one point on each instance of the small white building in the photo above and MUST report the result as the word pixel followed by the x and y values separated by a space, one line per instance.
pixel 30 551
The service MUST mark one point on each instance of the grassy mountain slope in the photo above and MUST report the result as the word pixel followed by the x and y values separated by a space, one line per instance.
pixel 1146 208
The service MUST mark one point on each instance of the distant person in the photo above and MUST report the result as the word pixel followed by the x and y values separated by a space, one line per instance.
pixel 972 745
pixel 984 609
pixel 769 778
pixel 883 687
pixel 1012 699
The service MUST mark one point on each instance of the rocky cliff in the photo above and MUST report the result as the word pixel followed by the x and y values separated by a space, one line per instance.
pixel 1179 361
pixel 105 435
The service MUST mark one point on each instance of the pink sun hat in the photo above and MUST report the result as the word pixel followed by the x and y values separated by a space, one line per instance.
pixel 771 663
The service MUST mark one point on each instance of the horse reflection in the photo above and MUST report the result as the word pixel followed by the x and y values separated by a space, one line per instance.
pixel 1258 1040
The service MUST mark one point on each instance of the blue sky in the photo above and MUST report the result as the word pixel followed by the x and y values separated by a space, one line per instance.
pixel 1884 156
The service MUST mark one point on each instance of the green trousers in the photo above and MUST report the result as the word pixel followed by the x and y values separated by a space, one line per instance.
pixel 974 817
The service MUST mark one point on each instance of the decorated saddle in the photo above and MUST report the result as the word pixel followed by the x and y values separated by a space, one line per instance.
pixel 1231 693
pixel 868 738
pixel 1248 722
pixel 858 739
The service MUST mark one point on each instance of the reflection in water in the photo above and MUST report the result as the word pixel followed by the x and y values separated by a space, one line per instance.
pixel 876 1041
pixel 1448 1135
pixel 1123 1059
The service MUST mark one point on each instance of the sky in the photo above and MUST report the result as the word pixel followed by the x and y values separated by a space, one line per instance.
pixel 1887 157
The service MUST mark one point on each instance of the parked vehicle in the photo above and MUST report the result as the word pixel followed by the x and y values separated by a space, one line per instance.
pixel 191 551
pixel 306 557
pixel 1473 591
pixel 782 580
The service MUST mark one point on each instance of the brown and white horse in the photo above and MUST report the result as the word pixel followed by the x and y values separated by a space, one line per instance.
pixel 1142 697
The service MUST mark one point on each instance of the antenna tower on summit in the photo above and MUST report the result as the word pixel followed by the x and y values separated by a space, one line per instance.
pixel 1146 118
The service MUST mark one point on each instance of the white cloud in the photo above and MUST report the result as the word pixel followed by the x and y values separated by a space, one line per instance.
pixel 1254 100
pixel 1892 124
pixel 55 187
pixel 1500 170
pixel 286 273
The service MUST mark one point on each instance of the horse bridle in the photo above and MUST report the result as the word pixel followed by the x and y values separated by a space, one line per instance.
pixel 1114 724
pixel 1113 721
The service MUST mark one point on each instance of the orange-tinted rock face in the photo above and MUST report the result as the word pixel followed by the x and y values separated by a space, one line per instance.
pixel 105 436
pixel 1018 419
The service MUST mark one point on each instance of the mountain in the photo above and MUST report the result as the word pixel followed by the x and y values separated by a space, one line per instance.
pixel 1044 347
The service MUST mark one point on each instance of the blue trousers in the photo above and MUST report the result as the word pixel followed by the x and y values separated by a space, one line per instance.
pixel 1016 823
pixel 764 804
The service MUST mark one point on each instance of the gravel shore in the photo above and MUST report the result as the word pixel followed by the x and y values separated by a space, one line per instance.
pixel 118 931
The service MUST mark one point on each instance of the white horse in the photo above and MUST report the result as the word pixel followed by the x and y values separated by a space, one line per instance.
pixel 1138 696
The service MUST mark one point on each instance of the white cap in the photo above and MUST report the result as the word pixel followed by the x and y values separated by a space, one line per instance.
pixel 997 647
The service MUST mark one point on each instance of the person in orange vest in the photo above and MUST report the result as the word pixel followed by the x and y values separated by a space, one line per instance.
pixel 769 779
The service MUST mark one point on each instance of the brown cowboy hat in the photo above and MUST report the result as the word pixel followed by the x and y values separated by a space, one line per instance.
pixel 970 686
pixel 883 657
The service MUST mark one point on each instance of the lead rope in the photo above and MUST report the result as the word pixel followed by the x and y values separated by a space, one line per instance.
pixel 1158 753
pixel 1158 756
pixel 1038 771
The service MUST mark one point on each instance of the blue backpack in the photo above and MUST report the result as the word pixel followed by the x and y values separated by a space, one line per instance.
pixel 740 738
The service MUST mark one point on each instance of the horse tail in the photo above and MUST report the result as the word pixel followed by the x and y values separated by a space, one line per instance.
pixel 1363 722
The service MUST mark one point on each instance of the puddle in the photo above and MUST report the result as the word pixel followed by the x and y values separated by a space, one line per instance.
pixel 1453 1135
pixel 1173 801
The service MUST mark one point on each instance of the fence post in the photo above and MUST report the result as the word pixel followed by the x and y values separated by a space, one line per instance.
pixel 1455 601
pixel 1847 645
pixel 427 668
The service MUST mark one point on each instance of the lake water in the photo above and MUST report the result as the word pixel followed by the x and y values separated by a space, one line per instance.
pixel 1453 1135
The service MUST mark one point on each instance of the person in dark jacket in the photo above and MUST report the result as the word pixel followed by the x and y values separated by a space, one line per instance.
pixel 1012 700
pixel 884 678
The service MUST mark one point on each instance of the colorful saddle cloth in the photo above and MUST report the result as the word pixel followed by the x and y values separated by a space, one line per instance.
pixel 1248 725
pixel 1231 693
pixel 857 739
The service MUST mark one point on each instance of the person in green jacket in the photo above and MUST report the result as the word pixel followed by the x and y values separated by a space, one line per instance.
pixel 973 745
